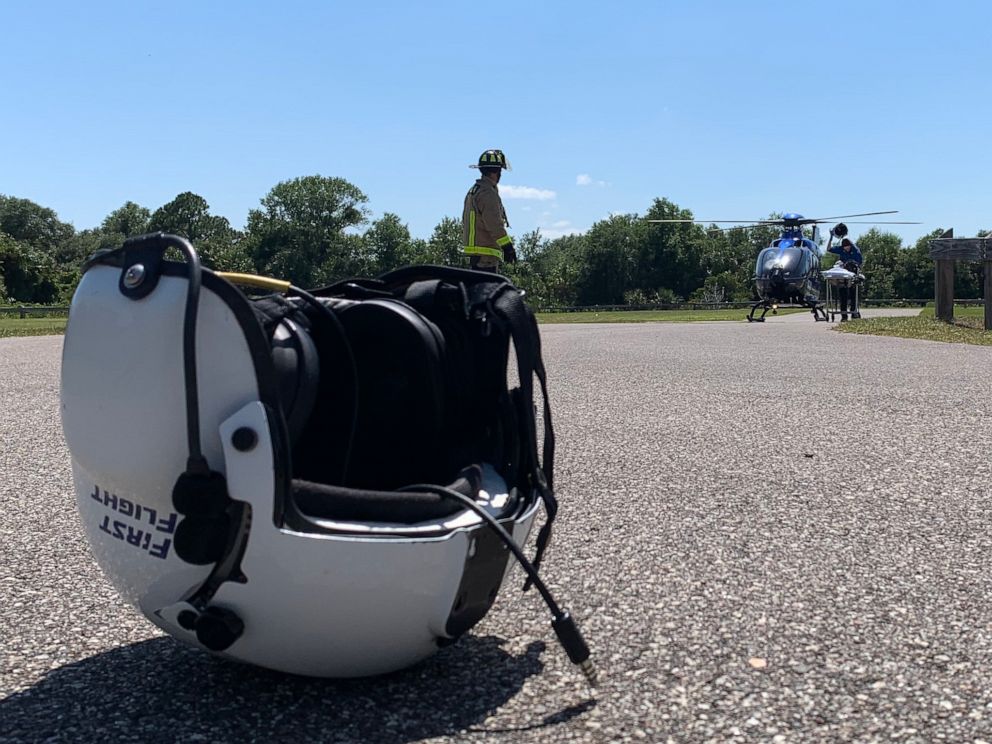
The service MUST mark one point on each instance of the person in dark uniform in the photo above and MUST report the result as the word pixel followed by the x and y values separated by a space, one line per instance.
pixel 850 256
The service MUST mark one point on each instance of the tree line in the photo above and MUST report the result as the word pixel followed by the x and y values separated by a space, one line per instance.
pixel 314 230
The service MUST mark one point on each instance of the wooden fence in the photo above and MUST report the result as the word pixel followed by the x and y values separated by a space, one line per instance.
pixel 945 251
pixel 23 311
pixel 891 302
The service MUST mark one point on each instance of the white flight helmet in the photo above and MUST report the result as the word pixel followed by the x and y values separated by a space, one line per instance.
pixel 182 416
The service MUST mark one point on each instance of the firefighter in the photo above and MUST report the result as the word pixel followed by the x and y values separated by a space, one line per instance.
pixel 484 220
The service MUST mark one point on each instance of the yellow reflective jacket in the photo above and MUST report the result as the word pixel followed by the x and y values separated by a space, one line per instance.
pixel 484 221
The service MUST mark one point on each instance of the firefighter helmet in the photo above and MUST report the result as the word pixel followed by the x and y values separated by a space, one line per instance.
pixel 492 159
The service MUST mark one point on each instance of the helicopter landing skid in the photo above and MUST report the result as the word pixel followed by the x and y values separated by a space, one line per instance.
pixel 766 307
pixel 819 311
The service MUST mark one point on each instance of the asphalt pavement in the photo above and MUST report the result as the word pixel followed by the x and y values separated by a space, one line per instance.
pixel 769 532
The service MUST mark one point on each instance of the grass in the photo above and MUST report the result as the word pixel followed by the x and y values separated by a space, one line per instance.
pixel 653 316
pixel 49 326
pixel 961 312
pixel 967 328
pixel 31 326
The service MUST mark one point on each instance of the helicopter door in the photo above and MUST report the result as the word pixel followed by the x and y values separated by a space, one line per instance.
pixel 760 264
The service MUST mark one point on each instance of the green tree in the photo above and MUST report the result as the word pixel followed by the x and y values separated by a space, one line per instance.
pixel 913 278
pixel 27 272
pixel 217 243
pixel 189 215
pixel 72 254
pixel 723 287
pixel 124 222
pixel 299 234
pixel 553 270
pixel 87 242
pixel 444 247
pixel 728 259
pixel 420 251
pixel 387 244
pixel 671 256
pixel 227 255
pixel 127 220
pixel 969 276
pixel 530 245
pixel 967 280
pixel 523 273
pixel 27 222
pixel 612 259
pixel 44 264
pixel 882 252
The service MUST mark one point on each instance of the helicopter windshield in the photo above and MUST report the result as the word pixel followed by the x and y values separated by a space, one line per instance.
pixel 786 256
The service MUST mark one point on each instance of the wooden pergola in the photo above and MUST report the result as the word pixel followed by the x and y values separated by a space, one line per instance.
pixel 947 249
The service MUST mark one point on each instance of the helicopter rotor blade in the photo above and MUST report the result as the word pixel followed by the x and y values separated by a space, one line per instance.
pixel 714 222
pixel 734 224
pixel 744 227
pixel 782 222
pixel 845 216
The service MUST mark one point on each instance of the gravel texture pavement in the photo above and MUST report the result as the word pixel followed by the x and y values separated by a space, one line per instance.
pixel 769 532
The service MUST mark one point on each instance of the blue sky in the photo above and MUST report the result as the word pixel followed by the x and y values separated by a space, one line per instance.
pixel 730 109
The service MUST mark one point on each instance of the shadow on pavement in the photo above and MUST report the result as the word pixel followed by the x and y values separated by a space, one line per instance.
pixel 160 690
pixel 562 716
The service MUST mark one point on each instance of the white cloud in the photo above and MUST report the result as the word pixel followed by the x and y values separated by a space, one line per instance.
pixel 584 179
pixel 552 234
pixel 559 229
pixel 526 192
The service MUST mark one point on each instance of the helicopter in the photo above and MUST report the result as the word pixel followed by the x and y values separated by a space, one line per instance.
pixel 787 272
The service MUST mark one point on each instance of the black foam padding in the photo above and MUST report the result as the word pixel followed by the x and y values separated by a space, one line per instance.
pixel 319 501
pixel 397 436
pixel 399 355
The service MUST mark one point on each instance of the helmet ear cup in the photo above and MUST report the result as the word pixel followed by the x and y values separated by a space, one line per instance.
pixel 201 540
pixel 297 367
pixel 202 500
pixel 401 361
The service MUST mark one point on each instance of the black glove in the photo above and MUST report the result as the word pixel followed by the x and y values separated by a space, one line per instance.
pixel 509 253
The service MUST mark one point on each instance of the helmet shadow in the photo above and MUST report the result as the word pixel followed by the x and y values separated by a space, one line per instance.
pixel 161 690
